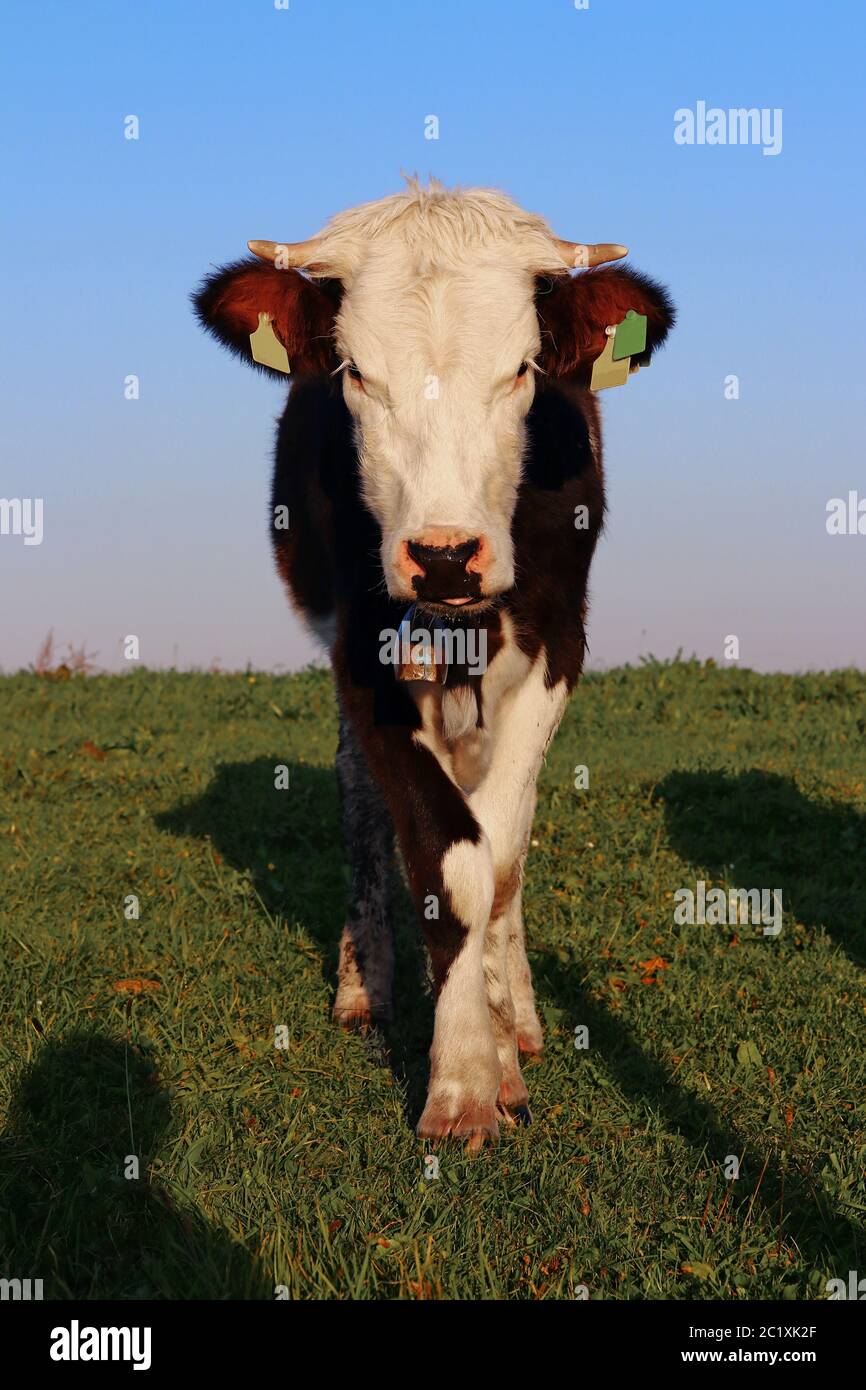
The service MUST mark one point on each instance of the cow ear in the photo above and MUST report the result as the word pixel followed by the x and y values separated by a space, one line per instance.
pixel 229 302
pixel 573 312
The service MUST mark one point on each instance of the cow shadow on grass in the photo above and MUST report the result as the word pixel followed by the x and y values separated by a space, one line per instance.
pixel 290 845
pixel 288 842
pixel 789 1192
pixel 758 827
pixel 70 1215
pixel 759 831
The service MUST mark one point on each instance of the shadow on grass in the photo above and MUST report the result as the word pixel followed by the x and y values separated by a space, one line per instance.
pixel 789 1192
pixel 68 1213
pixel 289 843
pixel 759 830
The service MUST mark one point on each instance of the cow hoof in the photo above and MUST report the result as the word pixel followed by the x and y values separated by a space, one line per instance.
pixel 476 1141
pixel 354 1020
pixel 357 1019
pixel 515 1114
pixel 474 1122
pixel 355 1011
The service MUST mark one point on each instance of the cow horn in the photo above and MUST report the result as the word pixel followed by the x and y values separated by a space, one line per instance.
pixel 575 253
pixel 287 253
pixel 302 253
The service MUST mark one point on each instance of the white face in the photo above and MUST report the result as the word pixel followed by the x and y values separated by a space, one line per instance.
pixel 438 377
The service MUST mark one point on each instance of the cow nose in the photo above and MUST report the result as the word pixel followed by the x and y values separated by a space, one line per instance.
pixel 445 575
pixel 428 555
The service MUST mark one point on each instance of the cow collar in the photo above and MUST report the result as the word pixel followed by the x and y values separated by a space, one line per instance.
pixel 430 649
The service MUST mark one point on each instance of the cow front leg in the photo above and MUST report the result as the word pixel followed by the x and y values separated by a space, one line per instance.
pixel 449 867
pixel 366 967
pixel 512 1096
pixel 509 985
pixel 529 1037
pixel 450 871
pixel 504 805
pixel 465 1069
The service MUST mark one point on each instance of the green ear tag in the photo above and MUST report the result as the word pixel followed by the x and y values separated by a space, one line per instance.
pixel 266 347
pixel 606 372
pixel 630 336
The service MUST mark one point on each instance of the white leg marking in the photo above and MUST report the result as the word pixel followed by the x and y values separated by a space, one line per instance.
pixel 524 725
pixel 465 1068
pixel 504 804
pixel 512 1087
pixel 527 1028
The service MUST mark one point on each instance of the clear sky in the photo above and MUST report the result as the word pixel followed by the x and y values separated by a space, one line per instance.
pixel 261 122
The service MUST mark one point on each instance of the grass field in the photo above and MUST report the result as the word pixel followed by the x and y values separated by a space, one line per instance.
pixel 298 1166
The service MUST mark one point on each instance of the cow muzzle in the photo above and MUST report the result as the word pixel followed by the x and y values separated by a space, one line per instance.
pixel 445 570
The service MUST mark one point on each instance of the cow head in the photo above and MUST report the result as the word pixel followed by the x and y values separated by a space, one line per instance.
pixel 441 312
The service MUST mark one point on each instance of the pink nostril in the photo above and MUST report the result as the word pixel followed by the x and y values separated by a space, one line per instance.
pixel 480 558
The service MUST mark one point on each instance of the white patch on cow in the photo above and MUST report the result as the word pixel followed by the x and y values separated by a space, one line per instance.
pixel 524 723
pixel 500 1003
pixel 527 1028
pixel 439 284
pixel 428 701
pixel 507 669
pixel 452 464
pixel 449 728
pixel 459 713
pixel 470 758
pixel 469 1059
pixel 467 872
pixel 465 1068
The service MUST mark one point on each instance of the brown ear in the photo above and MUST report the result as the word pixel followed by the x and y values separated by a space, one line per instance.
pixel 228 304
pixel 573 312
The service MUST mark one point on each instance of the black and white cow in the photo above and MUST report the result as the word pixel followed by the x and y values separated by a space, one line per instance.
pixel 440 459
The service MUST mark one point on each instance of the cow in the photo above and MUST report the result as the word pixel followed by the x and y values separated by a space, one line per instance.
pixel 439 461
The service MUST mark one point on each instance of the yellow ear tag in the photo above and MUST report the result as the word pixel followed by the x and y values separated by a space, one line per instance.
pixel 266 347
pixel 606 372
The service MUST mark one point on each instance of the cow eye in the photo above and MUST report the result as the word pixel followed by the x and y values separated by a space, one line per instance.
pixel 353 371
pixel 522 369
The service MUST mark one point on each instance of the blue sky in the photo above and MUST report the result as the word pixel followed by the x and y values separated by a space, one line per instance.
pixel 258 122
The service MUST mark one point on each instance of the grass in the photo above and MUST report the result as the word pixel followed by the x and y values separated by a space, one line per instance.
pixel 297 1167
